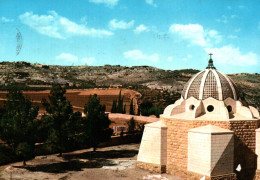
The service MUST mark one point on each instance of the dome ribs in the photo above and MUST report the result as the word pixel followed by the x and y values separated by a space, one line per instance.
pixel 232 90
pixel 203 80
pixel 188 84
pixel 194 87
pixel 219 87
pixel 210 83
pixel 210 87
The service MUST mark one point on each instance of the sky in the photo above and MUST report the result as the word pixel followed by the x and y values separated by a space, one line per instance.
pixel 167 34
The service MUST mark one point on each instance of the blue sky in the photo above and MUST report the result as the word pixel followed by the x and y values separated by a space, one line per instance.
pixel 168 34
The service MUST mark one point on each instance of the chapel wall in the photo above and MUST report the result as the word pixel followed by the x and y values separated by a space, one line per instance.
pixel 177 142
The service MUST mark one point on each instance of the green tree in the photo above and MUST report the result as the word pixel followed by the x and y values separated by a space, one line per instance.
pixel 62 126
pixel 124 110
pixel 120 103
pixel 131 126
pixel 97 122
pixel 154 110
pixel 114 107
pixel 18 124
pixel 145 106
pixel 131 111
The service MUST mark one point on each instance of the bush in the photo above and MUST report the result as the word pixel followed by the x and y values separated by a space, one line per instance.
pixel 7 155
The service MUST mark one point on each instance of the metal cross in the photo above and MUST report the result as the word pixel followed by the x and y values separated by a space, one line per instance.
pixel 210 54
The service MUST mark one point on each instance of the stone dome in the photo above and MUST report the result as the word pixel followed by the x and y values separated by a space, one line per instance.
pixel 210 83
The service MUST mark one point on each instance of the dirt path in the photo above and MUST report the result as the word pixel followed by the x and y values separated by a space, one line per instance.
pixel 115 162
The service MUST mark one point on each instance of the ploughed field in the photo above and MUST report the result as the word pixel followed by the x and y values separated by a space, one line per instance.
pixel 78 98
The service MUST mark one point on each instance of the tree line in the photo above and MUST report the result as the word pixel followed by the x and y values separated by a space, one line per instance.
pixel 59 129
pixel 146 107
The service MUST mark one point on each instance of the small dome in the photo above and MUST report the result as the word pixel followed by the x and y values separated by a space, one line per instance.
pixel 210 83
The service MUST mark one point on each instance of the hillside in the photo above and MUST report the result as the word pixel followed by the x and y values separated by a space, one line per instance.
pixel 37 76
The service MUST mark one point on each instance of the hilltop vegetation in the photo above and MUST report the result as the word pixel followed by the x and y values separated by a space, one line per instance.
pixel 92 76
pixel 37 76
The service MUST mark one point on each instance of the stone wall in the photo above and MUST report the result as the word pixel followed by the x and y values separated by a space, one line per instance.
pixel 244 142
pixel 257 175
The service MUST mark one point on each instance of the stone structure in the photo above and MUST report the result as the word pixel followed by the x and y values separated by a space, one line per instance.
pixel 207 132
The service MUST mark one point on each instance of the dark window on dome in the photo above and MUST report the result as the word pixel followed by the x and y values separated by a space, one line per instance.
pixel 229 108
pixel 192 107
pixel 210 108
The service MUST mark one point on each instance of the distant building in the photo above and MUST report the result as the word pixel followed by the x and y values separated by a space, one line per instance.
pixel 116 86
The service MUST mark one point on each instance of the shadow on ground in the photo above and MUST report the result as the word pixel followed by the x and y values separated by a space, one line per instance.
pixel 111 154
pixel 79 161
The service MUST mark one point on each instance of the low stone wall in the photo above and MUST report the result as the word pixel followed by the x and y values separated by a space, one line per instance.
pixel 151 167
pixel 127 117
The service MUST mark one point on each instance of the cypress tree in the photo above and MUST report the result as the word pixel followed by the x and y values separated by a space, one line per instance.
pixel 124 110
pixel 114 107
pixel 131 111
pixel 120 103
pixel 131 126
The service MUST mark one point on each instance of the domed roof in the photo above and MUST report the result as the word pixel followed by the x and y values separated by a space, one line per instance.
pixel 210 83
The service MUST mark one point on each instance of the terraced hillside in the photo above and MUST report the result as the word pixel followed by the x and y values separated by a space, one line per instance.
pixel 37 76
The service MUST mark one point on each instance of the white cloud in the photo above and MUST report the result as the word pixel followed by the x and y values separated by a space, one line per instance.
pixel 4 19
pixel 141 28
pixel 237 30
pixel 115 24
pixel 232 37
pixel 196 34
pixel 170 58
pixel 229 55
pixel 150 2
pixel 110 3
pixel 68 58
pixel 138 55
pixel 56 26
pixel 88 60
pixel 223 19
pixel 83 20
pixel 233 16
pixel 193 32
pixel 187 58
pixel 213 35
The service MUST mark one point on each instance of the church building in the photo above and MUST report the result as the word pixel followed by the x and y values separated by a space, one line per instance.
pixel 209 132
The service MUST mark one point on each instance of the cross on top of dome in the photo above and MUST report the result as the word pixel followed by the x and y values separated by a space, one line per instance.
pixel 210 65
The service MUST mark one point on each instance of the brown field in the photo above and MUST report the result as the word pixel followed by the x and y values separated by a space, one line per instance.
pixel 79 98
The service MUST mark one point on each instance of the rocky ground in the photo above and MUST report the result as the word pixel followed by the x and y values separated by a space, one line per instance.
pixel 115 162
